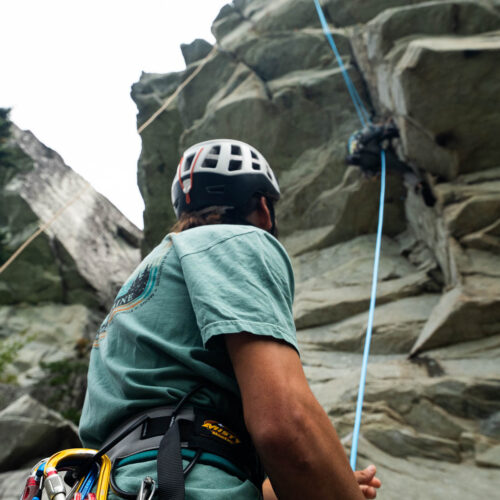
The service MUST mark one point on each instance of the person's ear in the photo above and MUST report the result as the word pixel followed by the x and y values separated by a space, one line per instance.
pixel 265 220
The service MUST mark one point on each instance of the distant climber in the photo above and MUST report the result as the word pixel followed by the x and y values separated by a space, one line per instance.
pixel 364 148
pixel 198 367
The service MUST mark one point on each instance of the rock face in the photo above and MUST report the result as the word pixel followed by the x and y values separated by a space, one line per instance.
pixel 84 256
pixel 43 431
pixel 432 411
pixel 52 297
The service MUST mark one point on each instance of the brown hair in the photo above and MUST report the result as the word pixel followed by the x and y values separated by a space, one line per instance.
pixel 188 220
pixel 220 215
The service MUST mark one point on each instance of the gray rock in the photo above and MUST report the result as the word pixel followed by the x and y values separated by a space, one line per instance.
pixel 429 479
pixel 84 255
pixel 12 483
pixel 351 263
pixel 460 316
pixel 404 443
pixel 431 18
pixel 158 159
pixel 476 213
pixel 31 431
pixel 358 11
pixel 491 426
pixel 453 64
pixel 314 171
pixel 196 50
pixel 277 53
pixel 350 207
pixel 227 20
pixel 44 334
pixel 395 329
pixel 284 15
pixel 487 239
pixel 466 398
pixel 490 458
pixel 322 303
pixel 381 43
pixel 306 240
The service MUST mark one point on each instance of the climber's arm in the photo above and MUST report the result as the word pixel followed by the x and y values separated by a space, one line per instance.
pixel 294 437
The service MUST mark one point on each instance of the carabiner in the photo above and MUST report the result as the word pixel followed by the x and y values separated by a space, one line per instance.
pixel 147 490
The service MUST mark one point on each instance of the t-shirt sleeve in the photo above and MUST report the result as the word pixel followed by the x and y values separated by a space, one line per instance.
pixel 243 283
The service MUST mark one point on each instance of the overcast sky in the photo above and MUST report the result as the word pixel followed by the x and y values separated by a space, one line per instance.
pixel 67 67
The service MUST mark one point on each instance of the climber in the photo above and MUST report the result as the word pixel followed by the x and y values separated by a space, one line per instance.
pixel 198 356
pixel 364 148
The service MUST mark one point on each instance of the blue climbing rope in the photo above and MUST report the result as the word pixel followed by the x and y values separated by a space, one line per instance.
pixel 365 120
pixel 363 114
pixel 366 352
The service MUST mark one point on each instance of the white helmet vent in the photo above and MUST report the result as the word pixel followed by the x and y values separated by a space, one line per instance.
pixel 235 165
pixel 235 150
pixel 189 161
pixel 210 163
pixel 256 166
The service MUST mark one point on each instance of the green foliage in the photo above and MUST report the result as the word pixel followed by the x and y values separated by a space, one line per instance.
pixel 63 387
pixel 8 354
pixel 59 372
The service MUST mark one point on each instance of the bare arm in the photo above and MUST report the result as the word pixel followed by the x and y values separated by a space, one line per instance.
pixel 298 445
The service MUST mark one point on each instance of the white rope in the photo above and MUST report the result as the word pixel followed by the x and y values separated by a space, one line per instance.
pixel 178 90
pixel 42 228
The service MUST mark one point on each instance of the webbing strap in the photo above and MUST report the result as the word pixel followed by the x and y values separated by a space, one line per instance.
pixel 169 465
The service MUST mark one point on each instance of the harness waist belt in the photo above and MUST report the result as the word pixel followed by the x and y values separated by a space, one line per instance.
pixel 199 429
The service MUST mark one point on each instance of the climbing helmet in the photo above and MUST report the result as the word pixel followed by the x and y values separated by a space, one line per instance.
pixel 221 172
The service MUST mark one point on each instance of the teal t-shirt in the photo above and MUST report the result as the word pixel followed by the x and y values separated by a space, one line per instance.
pixel 163 336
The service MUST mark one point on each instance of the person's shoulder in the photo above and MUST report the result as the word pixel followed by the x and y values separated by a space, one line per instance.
pixel 203 238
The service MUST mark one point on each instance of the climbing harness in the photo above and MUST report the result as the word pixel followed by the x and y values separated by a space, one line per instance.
pixel 171 434
pixel 167 434
pixel 369 131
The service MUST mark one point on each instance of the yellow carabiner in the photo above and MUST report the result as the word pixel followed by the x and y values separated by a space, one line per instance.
pixel 54 460
pixel 104 478
pixel 84 453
